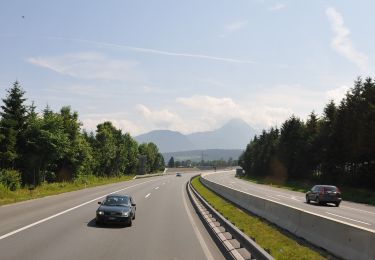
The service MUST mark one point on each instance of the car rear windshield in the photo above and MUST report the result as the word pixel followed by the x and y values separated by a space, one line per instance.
pixel 330 188
pixel 113 201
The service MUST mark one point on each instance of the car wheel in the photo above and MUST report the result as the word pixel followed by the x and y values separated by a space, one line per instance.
pixel 337 204
pixel 133 216
pixel 307 200
pixel 130 222
pixel 318 201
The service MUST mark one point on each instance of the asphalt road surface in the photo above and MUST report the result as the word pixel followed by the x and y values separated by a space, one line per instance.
pixel 63 226
pixel 356 214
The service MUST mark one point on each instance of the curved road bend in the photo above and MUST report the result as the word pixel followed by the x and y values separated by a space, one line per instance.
pixel 63 227
pixel 356 214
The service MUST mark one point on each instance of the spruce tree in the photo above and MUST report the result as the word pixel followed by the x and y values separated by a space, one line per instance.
pixel 13 121
pixel 171 162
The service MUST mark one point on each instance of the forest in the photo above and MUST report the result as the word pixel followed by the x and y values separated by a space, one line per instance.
pixel 336 148
pixel 51 146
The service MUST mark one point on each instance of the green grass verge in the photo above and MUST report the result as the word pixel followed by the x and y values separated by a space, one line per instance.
pixel 7 196
pixel 348 193
pixel 278 244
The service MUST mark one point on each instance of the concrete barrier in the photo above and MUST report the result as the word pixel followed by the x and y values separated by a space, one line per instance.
pixel 148 175
pixel 181 169
pixel 341 239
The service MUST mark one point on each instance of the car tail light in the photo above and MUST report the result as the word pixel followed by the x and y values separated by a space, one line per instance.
pixel 338 190
pixel 322 191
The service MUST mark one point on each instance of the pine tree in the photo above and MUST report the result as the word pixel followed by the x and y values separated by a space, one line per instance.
pixel 13 122
pixel 171 162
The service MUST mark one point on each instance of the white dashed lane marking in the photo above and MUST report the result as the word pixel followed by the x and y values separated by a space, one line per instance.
pixel 348 218
pixel 358 209
pixel 156 188
pixel 148 195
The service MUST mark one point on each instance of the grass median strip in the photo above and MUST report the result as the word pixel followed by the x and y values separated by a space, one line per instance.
pixel 278 244
pixel 7 196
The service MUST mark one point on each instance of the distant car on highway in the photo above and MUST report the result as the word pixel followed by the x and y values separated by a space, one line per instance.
pixel 116 209
pixel 239 172
pixel 178 174
pixel 322 194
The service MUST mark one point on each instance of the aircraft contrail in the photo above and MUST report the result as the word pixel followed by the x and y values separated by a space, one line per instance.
pixel 155 51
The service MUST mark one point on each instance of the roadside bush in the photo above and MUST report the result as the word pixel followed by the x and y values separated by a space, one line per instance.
pixel 4 191
pixel 10 179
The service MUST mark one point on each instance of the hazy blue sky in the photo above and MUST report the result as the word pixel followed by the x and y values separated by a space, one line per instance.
pixel 185 65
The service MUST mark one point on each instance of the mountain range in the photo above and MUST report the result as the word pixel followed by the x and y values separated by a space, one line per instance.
pixel 235 134
pixel 206 155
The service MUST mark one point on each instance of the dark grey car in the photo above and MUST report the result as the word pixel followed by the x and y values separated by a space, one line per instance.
pixel 323 194
pixel 116 209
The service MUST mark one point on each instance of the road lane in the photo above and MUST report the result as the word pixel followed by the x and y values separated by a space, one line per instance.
pixel 18 215
pixel 352 213
pixel 161 230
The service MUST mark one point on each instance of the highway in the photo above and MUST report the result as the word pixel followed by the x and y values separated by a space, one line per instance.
pixel 63 226
pixel 356 214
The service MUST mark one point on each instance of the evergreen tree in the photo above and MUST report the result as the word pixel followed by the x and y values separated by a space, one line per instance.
pixel 292 143
pixel 13 122
pixel 171 162
pixel 337 148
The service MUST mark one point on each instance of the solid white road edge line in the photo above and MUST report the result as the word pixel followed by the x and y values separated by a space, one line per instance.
pixel 148 195
pixel 348 218
pixel 204 246
pixel 65 211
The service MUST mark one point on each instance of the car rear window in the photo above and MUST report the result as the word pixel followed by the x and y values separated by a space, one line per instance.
pixel 329 188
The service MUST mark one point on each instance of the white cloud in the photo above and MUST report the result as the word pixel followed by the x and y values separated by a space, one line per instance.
pixel 161 119
pixel 341 41
pixel 269 106
pixel 213 105
pixel 337 94
pixel 235 26
pixel 87 65
pixel 276 7
pixel 293 97
pixel 216 111
pixel 90 123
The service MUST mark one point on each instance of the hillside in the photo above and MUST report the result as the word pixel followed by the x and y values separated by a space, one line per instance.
pixel 207 155
pixel 234 135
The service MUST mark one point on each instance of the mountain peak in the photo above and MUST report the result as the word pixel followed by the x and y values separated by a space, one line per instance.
pixel 235 134
pixel 236 122
pixel 166 140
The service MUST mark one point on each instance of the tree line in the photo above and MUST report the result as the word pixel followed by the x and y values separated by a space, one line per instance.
pixel 213 163
pixel 337 147
pixel 52 146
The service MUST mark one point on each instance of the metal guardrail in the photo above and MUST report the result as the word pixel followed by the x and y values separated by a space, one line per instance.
pixel 232 241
